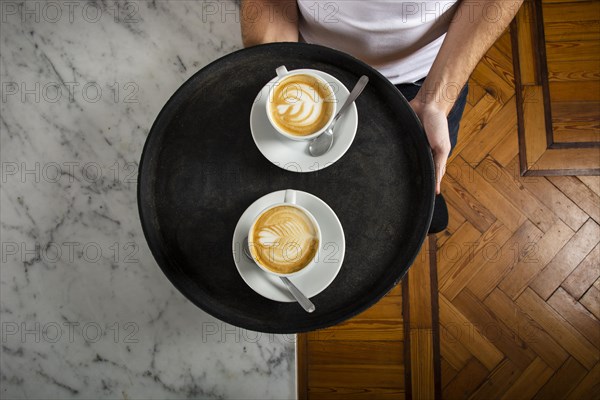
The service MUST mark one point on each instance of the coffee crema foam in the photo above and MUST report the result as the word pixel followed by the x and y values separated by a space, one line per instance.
pixel 284 239
pixel 301 105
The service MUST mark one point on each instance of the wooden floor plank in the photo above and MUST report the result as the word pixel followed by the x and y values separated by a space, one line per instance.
pixel 358 352
pixel 499 59
pixel 534 123
pixel 421 327
pixel 456 250
pixel 557 327
pixel 592 182
pixel 455 221
pixel 581 132
pixel 571 31
pixel 469 336
pixel 419 291
pixel 515 192
pixel 504 44
pixel 566 161
pixel 584 276
pixel 567 71
pixel 500 259
pixel 356 376
pixel 567 259
pixel 576 11
pixel 577 315
pixel 588 387
pixel 361 330
pixel 354 393
pixel 526 328
pixel 576 111
pixel 548 194
pixel 421 352
pixel 466 381
pixel 474 120
pixel 476 92
pixel 575 91
pixel 507 149
pixel 576 50
pixel 498 382
pixel 494 329
pixel 591 301
pixel 498 84
pixel 448 372
pixel 452 351
pixel 388 308
pixel 544 251
pixel 530 381
pixel 469 266
pixel 464 174
pixel 467 109
pixel 525 23
pixel 494 132
pixel 574 121
pixel 469 207
pixel 577 191
pixel 563 381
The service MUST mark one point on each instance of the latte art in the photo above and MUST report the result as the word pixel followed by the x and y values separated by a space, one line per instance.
pixel 284 239
pixel 301 105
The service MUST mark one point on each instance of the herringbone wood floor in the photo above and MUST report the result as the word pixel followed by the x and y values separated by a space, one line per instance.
pixel 519 265
pixel 518 273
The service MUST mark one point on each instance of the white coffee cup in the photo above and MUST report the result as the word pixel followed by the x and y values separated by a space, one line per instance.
pixel 329 100
pixel 289 201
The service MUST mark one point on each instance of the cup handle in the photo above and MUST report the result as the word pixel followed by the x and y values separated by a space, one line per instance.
pixel 281 71
pixel 290 196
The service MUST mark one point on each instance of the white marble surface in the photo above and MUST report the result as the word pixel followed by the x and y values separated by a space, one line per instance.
pixel 85 311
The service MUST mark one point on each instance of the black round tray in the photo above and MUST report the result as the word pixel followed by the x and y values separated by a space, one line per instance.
pixel 200 170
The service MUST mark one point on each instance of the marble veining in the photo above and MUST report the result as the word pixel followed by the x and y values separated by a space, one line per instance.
pixel 85 311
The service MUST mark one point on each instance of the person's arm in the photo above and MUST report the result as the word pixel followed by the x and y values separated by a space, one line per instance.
pixel 473 30
pixel 266 21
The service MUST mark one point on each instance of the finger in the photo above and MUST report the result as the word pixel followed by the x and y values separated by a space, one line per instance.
pixel 440 160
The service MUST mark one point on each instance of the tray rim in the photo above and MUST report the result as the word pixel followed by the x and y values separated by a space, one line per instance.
pixel 428 176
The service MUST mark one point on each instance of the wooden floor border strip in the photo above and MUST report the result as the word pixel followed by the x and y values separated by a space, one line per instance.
pixel 435 317
pixel 406 328
pixel 542 66
pixel 430 246
pixel 514 32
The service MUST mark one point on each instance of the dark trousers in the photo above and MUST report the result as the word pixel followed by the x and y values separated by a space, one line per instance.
pixel 410 90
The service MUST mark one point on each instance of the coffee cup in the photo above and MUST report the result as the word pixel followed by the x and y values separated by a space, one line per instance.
pixel 284 239
pixel 300 104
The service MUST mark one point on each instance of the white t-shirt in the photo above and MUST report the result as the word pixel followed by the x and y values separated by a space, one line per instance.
pixel 399 38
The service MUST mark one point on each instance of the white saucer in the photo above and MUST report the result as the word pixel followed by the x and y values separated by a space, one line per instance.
pixel 293 155
pixel 311 283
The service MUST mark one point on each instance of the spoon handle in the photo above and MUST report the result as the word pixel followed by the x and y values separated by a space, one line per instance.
pixel 356 91
pixel 298 295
